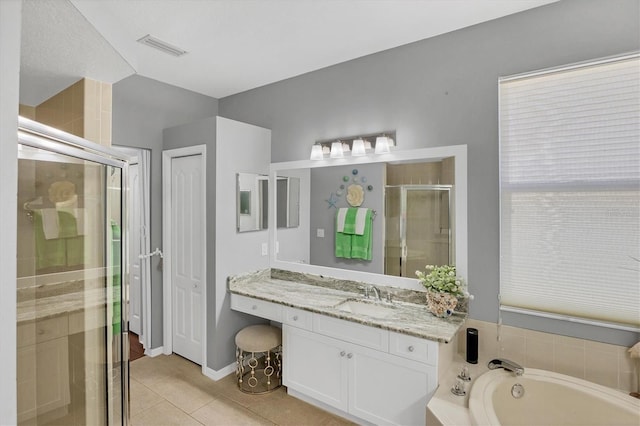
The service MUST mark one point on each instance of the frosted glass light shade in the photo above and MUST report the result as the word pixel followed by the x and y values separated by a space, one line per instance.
pixel 316 152
pixel 336 150
pixel 345 147
pixel 358 148
pixel 382 145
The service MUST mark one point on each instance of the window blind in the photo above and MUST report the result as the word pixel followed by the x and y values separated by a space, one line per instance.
pixel 570 191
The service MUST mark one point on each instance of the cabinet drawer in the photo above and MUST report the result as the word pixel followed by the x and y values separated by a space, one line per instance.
pixel 42 330
pixel 371 337
pixel 26 334
pixel 415 348
pixel 257 307
pixel 297 318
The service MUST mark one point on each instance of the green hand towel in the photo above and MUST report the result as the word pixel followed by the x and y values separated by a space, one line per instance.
pixel 116 247
pixel 361 245
pixel 350 221
pixel 49 253
pixel 343 241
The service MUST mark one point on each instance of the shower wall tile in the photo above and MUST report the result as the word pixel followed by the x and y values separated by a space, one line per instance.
pixel 83 109
pixel 63 109
pixel 27 111
pixel 608 365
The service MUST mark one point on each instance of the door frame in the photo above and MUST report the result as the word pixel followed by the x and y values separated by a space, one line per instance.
pixel 135 155
pixel 167 285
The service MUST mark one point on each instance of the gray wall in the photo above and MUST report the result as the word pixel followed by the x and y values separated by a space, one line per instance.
pixel 327 180
pixel 443 91
pixel 142 108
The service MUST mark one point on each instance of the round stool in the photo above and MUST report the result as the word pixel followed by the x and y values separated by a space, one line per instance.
pixel 259 359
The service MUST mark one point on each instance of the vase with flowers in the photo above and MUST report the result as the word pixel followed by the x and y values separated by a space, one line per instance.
pixel 444 288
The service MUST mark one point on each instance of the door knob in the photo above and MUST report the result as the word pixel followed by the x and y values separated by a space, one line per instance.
pixel 343 353
pixel 350 356
pixel 411 348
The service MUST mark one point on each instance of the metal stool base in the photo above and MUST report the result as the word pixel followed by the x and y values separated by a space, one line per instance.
pixel 259 372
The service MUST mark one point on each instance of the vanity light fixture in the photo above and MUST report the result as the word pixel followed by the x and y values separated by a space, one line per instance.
pixel 358 148
pixel 316 152
pixel 355 146
pixel 336 150
pixel 382 145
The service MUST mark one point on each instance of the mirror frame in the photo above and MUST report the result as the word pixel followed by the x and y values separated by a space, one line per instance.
pixel 459 152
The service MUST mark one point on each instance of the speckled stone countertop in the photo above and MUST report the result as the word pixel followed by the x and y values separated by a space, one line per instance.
pixel 47 307
pixel 40 302
pixel 321 295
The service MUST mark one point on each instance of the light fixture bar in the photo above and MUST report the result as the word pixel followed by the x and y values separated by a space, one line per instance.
pixel 163 46
pixel 354 146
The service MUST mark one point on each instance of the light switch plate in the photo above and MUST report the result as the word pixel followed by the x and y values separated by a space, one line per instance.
pixel 265 249
pixel 320 233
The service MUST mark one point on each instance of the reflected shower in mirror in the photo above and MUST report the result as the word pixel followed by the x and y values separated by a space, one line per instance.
pixel 288 202
pixel 252 198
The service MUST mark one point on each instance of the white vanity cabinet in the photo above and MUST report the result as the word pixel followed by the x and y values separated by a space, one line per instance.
pixel 372 374
pixel 43 367
pixel 315 366
pixel 367 383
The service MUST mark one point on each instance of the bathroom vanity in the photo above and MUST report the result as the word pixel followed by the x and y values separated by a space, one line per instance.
pixel 368 360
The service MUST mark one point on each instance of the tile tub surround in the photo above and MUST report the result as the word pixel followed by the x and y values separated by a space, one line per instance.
pixel 321 295
pixel 604 364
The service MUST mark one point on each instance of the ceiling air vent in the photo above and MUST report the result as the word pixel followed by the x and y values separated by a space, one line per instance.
pixel 165 47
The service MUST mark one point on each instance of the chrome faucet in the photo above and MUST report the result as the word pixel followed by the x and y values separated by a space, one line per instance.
pixel 517 369
pixel 374 289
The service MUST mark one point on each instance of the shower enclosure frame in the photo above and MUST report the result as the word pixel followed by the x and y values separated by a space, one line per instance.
pixel 46 138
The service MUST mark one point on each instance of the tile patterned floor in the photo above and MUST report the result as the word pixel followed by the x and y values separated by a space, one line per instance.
pixel 170 390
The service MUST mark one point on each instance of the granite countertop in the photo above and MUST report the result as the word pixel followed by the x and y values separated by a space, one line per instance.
pixel 46 307
pixel 321 296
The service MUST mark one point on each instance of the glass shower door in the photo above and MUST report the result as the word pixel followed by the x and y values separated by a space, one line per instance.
pixel 417 228
pixel 72 359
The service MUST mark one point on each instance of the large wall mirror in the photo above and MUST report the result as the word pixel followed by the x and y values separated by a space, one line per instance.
pixel 418 203
pixel 252 198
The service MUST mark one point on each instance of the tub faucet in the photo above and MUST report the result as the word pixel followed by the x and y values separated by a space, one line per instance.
pixel 517 369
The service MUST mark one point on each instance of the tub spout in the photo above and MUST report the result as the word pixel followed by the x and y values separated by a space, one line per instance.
pixel 515 368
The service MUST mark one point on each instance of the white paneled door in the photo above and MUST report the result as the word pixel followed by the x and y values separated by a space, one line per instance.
pixel 135 286
pixel 187 260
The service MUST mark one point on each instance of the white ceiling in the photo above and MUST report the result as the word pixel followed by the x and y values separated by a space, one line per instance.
pixel 233 45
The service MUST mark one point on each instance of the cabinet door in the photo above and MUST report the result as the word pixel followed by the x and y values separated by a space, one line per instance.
pixel 316 366
pixel 26 364
pixel 386 389
pixel 52 370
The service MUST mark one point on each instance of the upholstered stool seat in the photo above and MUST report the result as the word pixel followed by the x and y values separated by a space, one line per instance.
pixel 259 358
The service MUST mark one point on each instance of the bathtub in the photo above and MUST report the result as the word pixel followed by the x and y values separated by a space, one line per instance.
pixel 547 398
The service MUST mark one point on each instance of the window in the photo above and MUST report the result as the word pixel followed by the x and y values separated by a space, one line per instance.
pixel 570 193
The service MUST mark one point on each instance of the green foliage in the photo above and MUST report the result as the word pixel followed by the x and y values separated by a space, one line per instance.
pixel 442 279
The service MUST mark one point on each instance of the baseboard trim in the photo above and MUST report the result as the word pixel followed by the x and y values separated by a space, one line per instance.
pixel 219 374
pixel 154 352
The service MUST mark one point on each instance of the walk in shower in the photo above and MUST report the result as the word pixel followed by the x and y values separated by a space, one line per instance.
pixel 417 228
pixel 72 360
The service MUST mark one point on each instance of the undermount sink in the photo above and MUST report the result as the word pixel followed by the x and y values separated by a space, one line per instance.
pixel 362 307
